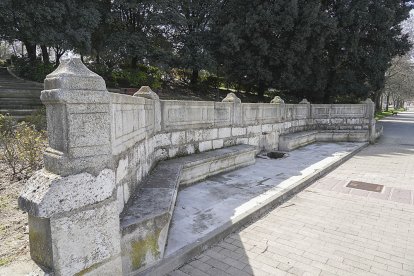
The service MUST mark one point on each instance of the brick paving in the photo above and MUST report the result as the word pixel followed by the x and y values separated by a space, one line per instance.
pixel 329 229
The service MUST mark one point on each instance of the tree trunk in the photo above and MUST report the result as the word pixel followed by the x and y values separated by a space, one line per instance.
pixel 194 77
pixel 134 63
pixel 261 89
pixel 387 102
pixel 31 50
pixel 378 99
pixel 381 101
pixel 58 56
pixel 45 54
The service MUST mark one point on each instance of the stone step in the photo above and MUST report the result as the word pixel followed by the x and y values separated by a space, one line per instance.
pixel 18 113
pixel 9 106
pixel 19 85
pixel 146 217
pixel 18 100
pixel 14 93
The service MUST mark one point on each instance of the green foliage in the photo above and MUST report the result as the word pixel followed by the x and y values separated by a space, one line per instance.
pixel 4 63
pixel 31 70
pixel 382 114
pixel 321 50
pixel 21 146
pixel 38 119
pixel 262 44
pixel 143 76
pixel 325 51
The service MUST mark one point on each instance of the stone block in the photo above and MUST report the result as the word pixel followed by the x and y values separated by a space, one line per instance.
pixel 210 134
pixel 254 141
pixel 254 129
pixel 217 144
pixel 173 151
pixel 244 141
pixel 163 139
pixel 178 138
pixel 267 128
pixel 47 194
pixel 205 146
pixel 85 238
pixel 238 131
pixel 224 132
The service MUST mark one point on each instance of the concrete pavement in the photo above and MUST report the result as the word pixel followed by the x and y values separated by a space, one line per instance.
pixel 330 229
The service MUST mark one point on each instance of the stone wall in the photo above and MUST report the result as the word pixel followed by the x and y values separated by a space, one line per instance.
pixel 102 145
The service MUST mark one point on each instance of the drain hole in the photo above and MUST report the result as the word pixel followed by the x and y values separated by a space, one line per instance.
pixel 276 154
pixel 365 186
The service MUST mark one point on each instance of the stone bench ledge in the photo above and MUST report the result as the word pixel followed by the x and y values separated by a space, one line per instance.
pixel 146 217
pixel 291 141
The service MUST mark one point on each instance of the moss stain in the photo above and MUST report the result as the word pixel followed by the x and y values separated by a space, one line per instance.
pixel 89 269
pixel 4 261
pixel 37 247
pixel 140 248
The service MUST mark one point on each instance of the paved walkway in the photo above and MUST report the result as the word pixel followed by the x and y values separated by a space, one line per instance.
pixel 329 229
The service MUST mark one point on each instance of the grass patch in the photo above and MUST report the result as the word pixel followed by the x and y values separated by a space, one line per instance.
pixel 4 261
pixel 390 112
pixel 4 202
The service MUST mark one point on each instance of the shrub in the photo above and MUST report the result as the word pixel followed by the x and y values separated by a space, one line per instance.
pixel 143 76
pixel 4 63
pixel 38 119
pixel 31 70
pixel 21 146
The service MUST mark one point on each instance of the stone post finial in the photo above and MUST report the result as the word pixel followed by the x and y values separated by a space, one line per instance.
pixel 304 101
pixel 368 101
pixel 277 100
pixel 231 98
pixel 72 74
pixel 146 92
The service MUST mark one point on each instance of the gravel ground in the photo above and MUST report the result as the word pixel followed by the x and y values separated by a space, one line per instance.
pixel 14 231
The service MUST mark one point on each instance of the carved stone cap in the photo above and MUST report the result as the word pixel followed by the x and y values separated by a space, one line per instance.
pixel 304 101
pixel 146 92
pixel 72 74
pixel 277 100
pixel 231 98
pixel 368 101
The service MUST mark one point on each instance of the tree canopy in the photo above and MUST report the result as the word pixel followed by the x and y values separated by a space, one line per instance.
pixel 324 50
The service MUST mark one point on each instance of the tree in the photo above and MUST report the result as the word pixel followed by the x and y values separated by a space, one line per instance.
pixel 187 25
pixel 399 81
pixel 368 36
pixel 276 44
pixel 63 24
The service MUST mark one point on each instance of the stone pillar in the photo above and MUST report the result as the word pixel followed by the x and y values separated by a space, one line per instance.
pixel 305 101
pixel 370 116
pixel 237 110
pixel 146 92
pixel 73 219
pixel 78 119
pixel 280 105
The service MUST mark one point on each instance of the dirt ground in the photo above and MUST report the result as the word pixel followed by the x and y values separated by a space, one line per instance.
pixel 14 231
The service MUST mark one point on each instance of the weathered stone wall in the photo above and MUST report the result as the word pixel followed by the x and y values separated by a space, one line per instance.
pixel 102 145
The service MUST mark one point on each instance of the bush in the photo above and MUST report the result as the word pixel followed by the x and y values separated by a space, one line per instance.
pixel 38 119
pixel 21 146
pixel 143 76
pixel 31 70
pixel 4 63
